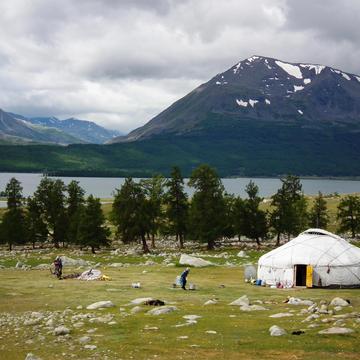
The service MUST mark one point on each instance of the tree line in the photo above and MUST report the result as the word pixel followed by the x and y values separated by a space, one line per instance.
pixel 144 210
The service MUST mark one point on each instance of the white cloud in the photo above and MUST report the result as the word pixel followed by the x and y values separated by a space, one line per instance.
pixel 122 62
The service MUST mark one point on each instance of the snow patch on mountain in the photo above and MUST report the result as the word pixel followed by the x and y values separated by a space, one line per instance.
pixel 357 78
pixel 298 88
pixel 253 102
pixel 318 68
pixel 300 112
pixel 236 68
pixel 253 58
pixel 267 101
pixel 242 103
pixel 292 70
pixel 307 81
pixel 344 75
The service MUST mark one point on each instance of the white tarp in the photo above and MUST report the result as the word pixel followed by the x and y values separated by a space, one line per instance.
pixel 89 275
pixel 334 260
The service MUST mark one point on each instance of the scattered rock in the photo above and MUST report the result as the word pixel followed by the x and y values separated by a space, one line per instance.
pixel 193 261
pixel 19 265
pixel 31 356
pixel 100 305
pixel 280 315
pixel 213 332
pixel 66 261
pixel 252 308
pixel 90 347
pixel 162 310
pixel 277 331
pixel 338 308
pixel 140 301
pixel 41 267
pixel 241 254
pixel 211 302
pixel 102 319
pixel 297 301
pixel 191 317
pixel 336 331
pixel 339 302
pixel 184 337
pixel 136 309
pixel 151 328
pixel 61 330
pixel 84 339
pixel 243 300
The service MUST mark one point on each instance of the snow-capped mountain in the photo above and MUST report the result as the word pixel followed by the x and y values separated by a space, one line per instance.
pixel 15 128
pixel 264 90
pixel 86 131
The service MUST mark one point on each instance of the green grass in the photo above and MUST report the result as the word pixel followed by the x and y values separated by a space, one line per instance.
pixel 241 336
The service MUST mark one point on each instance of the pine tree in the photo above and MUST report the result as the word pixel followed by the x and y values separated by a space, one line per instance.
pixel 154 192
pixel 13 223
pixel 92 230
pixel 177 206
pixel 254 223
pixel 36 227
pixel 349 214
pixel 50 195
pixel 207 206
pixel 75 203
pixel 289 216
pixel 130 213
pixel 318 216
pixel 238 218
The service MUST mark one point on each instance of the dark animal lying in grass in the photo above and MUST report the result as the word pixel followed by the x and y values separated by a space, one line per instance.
pixel 154 303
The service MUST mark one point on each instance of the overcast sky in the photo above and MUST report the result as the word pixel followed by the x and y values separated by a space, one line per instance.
pixel 121 62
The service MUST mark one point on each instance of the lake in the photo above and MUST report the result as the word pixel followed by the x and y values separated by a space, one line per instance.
pixel 104 187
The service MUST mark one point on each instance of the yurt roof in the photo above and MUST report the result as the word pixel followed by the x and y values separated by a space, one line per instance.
pixel 315 247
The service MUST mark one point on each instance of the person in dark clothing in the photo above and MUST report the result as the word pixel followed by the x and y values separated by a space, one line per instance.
pixel 58 267
pixel 183 278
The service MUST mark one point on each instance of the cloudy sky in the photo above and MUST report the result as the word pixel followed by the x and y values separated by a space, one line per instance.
pixel 120 62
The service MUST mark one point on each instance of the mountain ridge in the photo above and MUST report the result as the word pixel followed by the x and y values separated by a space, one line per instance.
pixel 264 89
pixel 19 129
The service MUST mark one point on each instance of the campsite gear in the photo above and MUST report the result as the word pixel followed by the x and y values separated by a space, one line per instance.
pixel 192 286
pixel 315 257
pixel 89 275
pixel 183 278
pixel 136 285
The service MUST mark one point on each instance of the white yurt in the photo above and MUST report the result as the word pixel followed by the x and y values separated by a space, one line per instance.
pixel 314 258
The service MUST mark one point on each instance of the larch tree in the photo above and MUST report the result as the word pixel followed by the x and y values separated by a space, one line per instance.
pixel 13 229
pixel 318 215
pixel 177 206
pixel 348 215
pixel 130 213
pixel 92 230
pixel 207 210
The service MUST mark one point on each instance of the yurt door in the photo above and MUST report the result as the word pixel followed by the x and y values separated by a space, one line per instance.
pixel 300 275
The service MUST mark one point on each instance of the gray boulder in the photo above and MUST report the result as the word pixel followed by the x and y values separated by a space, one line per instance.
pixel 336 331
pixel 100 305
pixel 61 330
pixel 162 310
pixel 31 356
pixel 66 261
pixel 276 331
pixel 339 302
pixel 241 301
pixel 193 261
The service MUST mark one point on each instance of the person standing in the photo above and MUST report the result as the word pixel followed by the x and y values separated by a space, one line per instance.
pixel 58 267
pixel 183 278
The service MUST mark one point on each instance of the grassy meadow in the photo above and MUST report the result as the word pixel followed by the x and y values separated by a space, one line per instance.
pixel 222 332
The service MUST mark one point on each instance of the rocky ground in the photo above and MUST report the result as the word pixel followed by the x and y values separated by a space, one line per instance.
pixel 45 318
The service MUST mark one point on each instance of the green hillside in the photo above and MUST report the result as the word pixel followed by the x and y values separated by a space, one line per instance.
pixel 243 148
